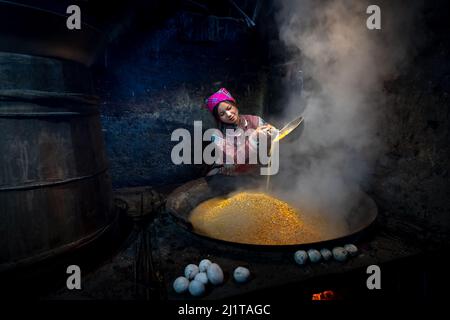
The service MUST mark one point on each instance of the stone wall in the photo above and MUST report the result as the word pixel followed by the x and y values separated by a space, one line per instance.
pixel 154 79
pixel 412 185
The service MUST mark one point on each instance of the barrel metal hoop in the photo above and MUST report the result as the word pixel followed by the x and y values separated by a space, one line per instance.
pixel 48 114
pixel 51 184
pixel 36 95
pixel 63 249
pixel 48 11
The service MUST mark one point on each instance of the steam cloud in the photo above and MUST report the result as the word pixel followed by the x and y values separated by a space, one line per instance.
pixel 345 66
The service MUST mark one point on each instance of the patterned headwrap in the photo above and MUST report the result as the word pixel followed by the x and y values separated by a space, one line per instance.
pixel 218 97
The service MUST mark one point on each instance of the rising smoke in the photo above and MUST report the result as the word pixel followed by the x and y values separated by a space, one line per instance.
pixel 345 66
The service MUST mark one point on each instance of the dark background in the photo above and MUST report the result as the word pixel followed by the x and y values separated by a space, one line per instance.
pixel 154 62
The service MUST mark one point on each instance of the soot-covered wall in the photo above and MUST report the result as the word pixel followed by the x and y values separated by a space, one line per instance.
pixel 411 180
pixel 154 78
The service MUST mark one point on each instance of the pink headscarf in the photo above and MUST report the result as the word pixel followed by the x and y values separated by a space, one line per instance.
pixel 218 97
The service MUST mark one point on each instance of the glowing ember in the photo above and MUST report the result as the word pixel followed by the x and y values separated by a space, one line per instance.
pixel 325 295
pixel 253 218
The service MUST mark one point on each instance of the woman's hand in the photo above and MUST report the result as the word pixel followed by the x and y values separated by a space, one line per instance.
pixel 267 129
pixel 261 131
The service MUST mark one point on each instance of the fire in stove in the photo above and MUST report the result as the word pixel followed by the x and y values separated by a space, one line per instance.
pixel 324 295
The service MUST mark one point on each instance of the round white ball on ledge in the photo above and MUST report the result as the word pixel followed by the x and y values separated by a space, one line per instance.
pixel 215 274
pixel 351 249
pixel 202 277
pixel 314 255
pixel 180 284
pixel 340 254
pixel 241 274
pixel 300 257
pixel 196 288
pixel 204 264
pixel 326 254
pixel 191 271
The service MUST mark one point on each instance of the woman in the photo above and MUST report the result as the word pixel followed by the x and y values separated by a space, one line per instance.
pixel 224 109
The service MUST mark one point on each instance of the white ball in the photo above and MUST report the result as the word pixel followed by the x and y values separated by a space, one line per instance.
pixel 340 254
pixel 180 284
pixel 300 257
pixel 202 277
pixel 190 271
pixel 215 274
pixel 241 274
pixel 326 254
pixel 351 249
pixel 204 264
pixel 314 255
pixel 196 288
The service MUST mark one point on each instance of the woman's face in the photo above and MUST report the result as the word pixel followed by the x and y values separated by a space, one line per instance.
pixel 227 112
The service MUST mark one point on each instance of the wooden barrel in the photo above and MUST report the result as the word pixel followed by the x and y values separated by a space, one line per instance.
pixel 55 191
